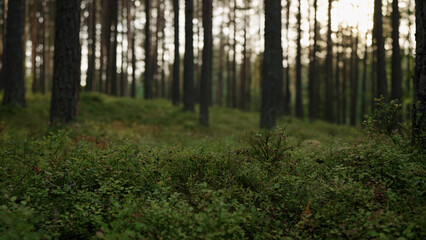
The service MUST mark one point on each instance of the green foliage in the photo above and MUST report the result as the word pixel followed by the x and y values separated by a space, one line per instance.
pixel 92 182
pixel 384 120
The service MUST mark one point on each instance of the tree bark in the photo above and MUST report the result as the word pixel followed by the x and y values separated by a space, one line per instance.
pixel 206 75
pixel 14 85
pixel 379 44
pixel 188 80
pixel 396 91
pixel 92 47
pixel 272 69
pixel 419 106
pixel 287 94
pixel 176 64
pixel 329 103
pixel 354 85
pixel 299 104
pixel 313 88
pixel 148 75
pixel 66 73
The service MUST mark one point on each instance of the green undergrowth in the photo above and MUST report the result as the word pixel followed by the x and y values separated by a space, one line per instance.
pixel 132 169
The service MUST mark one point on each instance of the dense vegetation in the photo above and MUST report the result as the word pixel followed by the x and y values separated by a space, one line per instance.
pixel 132 169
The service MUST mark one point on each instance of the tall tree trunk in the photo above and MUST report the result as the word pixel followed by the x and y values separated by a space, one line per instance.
pixel 92 47
pixel 243 75
pixel 234 57
pixel 14 87
pixel 2 38
pixel 148 75
pixel 188 73
pixel 299 104
pixel 379 44
pixel 354 85
pixel 219 90
pixel 337 81
pixel 206 75
pixel 176 64
pixel 419 106
pixel 313 101
pixel 364 80
pixel 287 94
pixel 34 44
pixel 272 69
pixel 66 73
pixel 43 51
pixel 396 91
pixel 113 51
pixel 329 103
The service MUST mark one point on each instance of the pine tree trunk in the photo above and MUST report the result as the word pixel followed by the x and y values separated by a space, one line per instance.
pixel 287 94
pixel 379 43
pixel 313 101
pixel 92 47
pixel 66 73
pixel 176 64
pixel 329 103
pixel 419 106
pixel 14 87
pixel 219 90
pixel 148 75
pixel 188 74
pixel 272 69
pixel 113 51
pixel 206 75
pixel 364 80
pixel 299 104
pixel 396 91
pixel 354 85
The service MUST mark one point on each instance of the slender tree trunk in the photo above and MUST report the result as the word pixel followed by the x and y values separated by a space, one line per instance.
pixel 243 75
pixel 337 81
pixel 287 94
pixel 234 58
pixel 329 103
pixel 2 38
pixel 299 104
pixel 113 61
pixel 188 80
pixel 14 87
pixel 43 51
pixel 313 88
pixel 219 90
pixel 419 106
pixel 66 73
pixel 364 80
pixel 176 64
pixel 92 47
pixel 148 75
pixel 379 44
pixel 396 91
pixel 354 85
pixel 206 77
pixel 34 44
pixel 272 69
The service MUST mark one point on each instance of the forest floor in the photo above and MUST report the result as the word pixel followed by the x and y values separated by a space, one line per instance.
pixel 135 169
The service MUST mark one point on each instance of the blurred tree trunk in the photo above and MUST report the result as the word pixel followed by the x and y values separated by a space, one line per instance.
pixel 396 91
pixel 148 94
pixel 92 47
pixel 14 85
pixel 188 74
pixel 379 44
pixel 287 94
pixel 419 106
pixel 2 39
pixel 337 76
pixel 34 5
pixel 364 79
pixel 219 90
pixel 272 69
pixel 329 101
pixel 43 51
pixel 176 64
pixel 313 88
pixel 299 104
pixel 113 51
pixel 354 80
pixel 206 75
pixel 243 75
pixel 131 22
pixel 234 57
pixel 66 79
